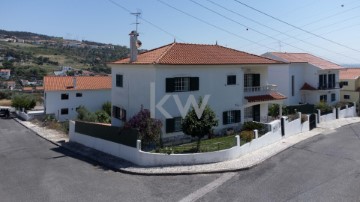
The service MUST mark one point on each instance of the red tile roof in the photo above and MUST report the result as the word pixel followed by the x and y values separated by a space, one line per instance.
pixel 306 58
pixel 197 54
pixel 268 97
pixel 5 70
pixel 65 83
pixel 27 88
pixel 350 73
pixel 307 86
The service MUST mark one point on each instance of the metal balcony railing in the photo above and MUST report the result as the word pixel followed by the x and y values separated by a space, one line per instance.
pixel 259 90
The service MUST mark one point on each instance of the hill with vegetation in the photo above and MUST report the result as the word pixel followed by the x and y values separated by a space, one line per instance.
pixel 31 55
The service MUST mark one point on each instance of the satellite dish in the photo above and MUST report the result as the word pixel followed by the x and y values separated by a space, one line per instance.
pixel 138 43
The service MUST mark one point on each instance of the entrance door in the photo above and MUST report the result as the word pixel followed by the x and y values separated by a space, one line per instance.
pixel 256 113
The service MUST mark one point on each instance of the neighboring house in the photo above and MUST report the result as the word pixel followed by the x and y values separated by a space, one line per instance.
pixel 63 71
pixel 236 81
pixel 305 79
pixel 10 85
pixel 350 82
pixel 28 89
pixel 5 73
pixel 63 95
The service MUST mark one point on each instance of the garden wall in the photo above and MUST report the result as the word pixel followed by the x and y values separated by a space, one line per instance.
pixel 293 127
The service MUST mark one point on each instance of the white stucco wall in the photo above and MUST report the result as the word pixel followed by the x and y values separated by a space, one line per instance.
pixel 91 99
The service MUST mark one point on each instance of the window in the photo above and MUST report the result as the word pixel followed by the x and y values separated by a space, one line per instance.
pixel 64 111
pixel 345 83
pixel 346 97
pixel 322 81
pixel 232 116
pixel 231 80
pixel 65 96
pixel 182 84
pixel 78 94
pixel 292 85
pixel 173 125
pixel 251 80
pixel 119 113
pixel 333 97
pixel 323 98
pixel 331 80
pixel 119 80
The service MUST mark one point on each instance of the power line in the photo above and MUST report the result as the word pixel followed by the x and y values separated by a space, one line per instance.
pixel 212 25
pixel 150 23
pixel 266 27
pixel 299 28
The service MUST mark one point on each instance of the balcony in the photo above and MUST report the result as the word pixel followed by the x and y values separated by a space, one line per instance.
pixel 329 86
pixel 260 90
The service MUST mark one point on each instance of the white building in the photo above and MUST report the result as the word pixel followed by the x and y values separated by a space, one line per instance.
pixel 64 94
pixel 237 83
pixel 5 73
pixel 305 79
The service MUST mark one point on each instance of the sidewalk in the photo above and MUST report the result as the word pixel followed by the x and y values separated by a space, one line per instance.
pixel 242 163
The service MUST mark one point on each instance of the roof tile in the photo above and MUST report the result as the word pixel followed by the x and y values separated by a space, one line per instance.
pixel 268 97
pixel 306 58
pixel 66 83
pixel 196 54
pixel 350 73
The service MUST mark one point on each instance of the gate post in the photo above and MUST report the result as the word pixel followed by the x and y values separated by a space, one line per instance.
pixel 282 126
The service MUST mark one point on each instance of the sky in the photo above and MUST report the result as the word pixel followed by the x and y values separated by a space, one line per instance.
pixel 326 28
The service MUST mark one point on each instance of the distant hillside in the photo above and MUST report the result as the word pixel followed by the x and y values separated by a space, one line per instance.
pixel 48 53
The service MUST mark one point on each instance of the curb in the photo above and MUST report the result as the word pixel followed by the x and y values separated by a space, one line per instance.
pixel 112 167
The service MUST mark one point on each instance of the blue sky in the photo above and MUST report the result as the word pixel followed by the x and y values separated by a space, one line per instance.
pixel 238 27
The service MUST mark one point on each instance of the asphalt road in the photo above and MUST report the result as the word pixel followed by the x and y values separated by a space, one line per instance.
pixel 324 168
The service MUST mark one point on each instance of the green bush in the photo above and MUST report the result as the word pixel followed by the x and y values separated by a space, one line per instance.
pixel 247 135
pixel 251 125
pixel 323 107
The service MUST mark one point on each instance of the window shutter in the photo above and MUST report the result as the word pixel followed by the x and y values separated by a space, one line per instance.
pixel 169 85
pixel 256 80
pixel 225 118
pixel 194 83
pixel 170 123
pixel 237 116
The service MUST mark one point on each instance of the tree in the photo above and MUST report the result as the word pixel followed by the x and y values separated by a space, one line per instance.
pixel 192 125
pixel 149 128
pixel 102 116
pixel 25 101
pixel 107 108
pixel 85 115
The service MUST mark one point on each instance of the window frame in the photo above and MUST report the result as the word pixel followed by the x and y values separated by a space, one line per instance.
pixel 231 80
pixel 119 80
pixel 324 98
pixel 63 110
pixel 64 96
pixel 78 94
pixel 333 97
pixel 231 117
pixel 347 97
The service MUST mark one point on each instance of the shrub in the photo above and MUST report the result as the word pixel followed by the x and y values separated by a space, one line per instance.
pixel 247 135
pixel 323 107
pixel 251 125
pixel 303 118
pixel 25 101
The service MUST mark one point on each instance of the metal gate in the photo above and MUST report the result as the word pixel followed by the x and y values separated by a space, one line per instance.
pixel 312 121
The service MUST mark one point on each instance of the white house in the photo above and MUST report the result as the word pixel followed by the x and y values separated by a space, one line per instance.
pixel 305 79
pixel 64 94
pixel 163 79
pixel 5 73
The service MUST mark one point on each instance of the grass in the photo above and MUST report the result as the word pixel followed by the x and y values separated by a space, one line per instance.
pixel 208 145
pixel 5 102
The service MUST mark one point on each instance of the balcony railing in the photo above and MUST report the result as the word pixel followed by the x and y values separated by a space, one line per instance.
pixel 259 90
pixel 329 86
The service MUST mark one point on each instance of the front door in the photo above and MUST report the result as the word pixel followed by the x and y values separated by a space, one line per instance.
pixel 256 113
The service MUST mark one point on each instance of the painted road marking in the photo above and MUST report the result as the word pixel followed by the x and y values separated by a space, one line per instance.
pixel 208 188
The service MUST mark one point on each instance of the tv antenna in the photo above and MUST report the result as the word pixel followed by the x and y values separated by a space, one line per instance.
pixel 137 15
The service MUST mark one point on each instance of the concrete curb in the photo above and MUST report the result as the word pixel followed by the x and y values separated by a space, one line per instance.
pixel 133 169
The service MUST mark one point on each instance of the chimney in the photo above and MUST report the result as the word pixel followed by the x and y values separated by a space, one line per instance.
pixel 133 46
pixel 74 82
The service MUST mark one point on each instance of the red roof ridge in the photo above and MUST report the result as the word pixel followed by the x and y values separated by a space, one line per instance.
pixel 164 53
